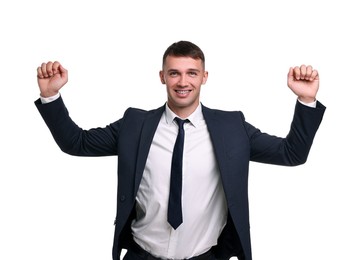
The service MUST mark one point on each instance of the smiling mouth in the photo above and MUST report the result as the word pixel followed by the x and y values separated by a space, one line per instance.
pixel 183 92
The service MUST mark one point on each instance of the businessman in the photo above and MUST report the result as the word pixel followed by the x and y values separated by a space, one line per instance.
pixel 183 168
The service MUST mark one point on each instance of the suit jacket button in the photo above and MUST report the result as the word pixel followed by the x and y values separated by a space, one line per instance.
pixel 122 198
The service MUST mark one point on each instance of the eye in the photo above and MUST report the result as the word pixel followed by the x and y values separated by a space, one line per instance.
pixel 192 73
pixel 173 73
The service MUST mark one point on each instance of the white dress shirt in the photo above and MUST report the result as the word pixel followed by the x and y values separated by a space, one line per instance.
pixel 204 206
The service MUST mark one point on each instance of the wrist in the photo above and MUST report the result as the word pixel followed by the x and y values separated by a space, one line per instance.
pixel 48 94
pixel 307 99
pixel 46 100
pixel 310 104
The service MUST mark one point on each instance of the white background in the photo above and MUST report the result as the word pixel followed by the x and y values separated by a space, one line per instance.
pixel 55 206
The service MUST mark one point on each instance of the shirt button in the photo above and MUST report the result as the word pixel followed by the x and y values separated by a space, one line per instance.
pixel 122 198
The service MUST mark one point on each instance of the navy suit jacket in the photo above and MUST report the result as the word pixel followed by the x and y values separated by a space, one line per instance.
pixel 235 142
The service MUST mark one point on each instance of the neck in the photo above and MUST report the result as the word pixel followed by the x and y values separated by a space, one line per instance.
pixel 183 112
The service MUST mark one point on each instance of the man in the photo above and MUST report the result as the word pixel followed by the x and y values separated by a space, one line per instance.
pixel 211 219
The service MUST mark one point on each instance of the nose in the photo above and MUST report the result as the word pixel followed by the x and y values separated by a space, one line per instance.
pixel 183 81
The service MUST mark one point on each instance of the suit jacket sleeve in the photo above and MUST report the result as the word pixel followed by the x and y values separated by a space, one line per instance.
pixel 294 148
pixel 74 140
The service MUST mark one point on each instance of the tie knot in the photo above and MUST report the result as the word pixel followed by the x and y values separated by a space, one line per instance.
pixel 180 122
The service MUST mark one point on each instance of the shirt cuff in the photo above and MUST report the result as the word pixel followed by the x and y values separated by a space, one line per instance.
pixel 311 104
pixel 46 100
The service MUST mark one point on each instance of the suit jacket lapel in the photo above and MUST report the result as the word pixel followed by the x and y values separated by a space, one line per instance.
pixel 149 127
pixel 214 126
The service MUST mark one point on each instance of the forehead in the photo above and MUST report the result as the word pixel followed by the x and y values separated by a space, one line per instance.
pixel 182 63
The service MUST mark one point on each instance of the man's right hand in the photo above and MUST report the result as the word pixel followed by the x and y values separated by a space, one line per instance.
pixel 51 78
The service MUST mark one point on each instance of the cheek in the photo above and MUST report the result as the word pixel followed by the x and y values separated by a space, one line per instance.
pixel 169 86
pixel 198 82
pixel 171 83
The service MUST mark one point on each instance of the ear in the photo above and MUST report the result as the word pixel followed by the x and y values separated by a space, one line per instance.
pixel 161 76
pixel 205 76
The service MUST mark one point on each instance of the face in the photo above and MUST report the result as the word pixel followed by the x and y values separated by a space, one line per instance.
pixel 183 77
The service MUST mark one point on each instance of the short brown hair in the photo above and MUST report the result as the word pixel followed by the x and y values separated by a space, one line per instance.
pixel 184 49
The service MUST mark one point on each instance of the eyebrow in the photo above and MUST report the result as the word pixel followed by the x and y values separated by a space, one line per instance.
pixel 173 70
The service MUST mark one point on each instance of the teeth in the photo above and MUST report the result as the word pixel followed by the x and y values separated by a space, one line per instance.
pixel 182 91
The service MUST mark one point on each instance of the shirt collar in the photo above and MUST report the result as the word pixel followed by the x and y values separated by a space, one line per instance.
pixel 194 118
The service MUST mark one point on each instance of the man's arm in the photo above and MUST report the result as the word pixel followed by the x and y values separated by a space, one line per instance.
pixel 295 147
pixel 69 136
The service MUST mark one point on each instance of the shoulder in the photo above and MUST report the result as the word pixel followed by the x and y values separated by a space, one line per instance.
pixel 142 113
pixel 223 114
